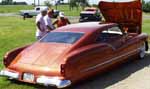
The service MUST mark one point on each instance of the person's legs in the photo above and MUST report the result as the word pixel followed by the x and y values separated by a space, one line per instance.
pixel 39 37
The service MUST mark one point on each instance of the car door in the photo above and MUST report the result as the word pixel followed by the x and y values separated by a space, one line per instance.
pixel 90 60
pixel 123 47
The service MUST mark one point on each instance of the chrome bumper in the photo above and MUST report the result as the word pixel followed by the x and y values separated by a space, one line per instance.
pixel 12 75
pixel 53 81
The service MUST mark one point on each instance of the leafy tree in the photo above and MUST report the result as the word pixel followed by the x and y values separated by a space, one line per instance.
pixel 48 3
pixel 72 4
pixel 57 2
pixel 83 3
pixel 76 3
pixel 7 2
pixel 143 2
pixel 146 6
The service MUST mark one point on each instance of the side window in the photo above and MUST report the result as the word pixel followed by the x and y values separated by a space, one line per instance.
pixel 113 31
pixel 109 34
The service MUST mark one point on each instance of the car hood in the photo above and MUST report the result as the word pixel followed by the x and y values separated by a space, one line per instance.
pixel 40 55
pixel 128 14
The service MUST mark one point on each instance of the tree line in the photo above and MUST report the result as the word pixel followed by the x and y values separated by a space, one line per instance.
pixel 146 6
pixel 11 2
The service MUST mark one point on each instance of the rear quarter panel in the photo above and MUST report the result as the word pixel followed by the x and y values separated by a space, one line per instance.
pixel 81 62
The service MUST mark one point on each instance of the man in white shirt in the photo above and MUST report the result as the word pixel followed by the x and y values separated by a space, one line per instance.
pixel 48 20
pixel 41 27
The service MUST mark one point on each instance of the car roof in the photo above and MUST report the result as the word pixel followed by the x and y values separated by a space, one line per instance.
pixel 84 27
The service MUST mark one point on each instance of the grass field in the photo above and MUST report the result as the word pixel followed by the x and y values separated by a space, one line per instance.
pixel 146 26
pixel 16 8
pixel 15 32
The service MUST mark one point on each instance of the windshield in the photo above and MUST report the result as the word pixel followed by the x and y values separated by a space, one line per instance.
pixel 62 37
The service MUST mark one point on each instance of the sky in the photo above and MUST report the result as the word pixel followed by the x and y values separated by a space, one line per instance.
pixel 91 1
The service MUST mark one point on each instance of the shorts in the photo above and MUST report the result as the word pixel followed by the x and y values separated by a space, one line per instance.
pixel 38 37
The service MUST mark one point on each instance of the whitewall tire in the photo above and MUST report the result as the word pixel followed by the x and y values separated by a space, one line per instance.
pixel 142 51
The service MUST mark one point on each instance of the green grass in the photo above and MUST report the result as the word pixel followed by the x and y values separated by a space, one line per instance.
pixel 146 26
pixel 15 32
pixel 16 8
pixel 67 11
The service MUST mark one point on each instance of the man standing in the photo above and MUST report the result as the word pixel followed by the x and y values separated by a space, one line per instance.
pixel 41 27
pixel 62 20
pixel 48 21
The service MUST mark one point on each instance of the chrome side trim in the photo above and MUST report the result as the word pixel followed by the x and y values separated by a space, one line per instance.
pixel 109 61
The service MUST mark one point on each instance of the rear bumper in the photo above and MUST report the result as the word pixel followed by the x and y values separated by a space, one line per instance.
pixel 54 81
pixel 44 80
pixel 11 75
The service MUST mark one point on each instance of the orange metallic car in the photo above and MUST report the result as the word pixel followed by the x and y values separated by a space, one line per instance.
pixel 78 51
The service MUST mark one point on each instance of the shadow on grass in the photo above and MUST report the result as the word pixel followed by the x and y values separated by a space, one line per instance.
pixel 106 79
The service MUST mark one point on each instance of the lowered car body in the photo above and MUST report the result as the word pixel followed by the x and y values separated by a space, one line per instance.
pixel 74 52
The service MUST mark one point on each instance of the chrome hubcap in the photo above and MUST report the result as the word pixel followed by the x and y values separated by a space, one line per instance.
pixel 142 51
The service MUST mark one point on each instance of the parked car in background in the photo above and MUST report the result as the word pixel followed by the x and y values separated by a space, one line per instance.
pixel 90 14
pixel 75 52
pixel 37 10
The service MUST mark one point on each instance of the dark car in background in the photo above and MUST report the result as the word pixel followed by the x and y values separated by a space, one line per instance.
pixel 90 15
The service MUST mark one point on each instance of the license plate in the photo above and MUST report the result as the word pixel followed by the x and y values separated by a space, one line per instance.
pixel 28 77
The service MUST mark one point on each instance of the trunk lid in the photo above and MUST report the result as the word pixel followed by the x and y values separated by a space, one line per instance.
pixel 40 56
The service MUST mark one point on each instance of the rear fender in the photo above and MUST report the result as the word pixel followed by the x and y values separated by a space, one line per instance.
pixel 144 38
pixel 9 56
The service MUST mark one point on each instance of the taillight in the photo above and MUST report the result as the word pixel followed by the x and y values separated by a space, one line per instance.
pixel 63 69
pixel 5 60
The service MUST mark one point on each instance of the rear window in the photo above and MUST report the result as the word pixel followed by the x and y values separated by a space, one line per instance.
pixel 62 37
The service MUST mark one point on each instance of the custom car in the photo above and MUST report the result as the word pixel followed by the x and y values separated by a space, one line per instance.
pixel 90 15
pixel 75 52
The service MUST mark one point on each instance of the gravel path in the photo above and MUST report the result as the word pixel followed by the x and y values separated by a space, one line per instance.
pixel 8 14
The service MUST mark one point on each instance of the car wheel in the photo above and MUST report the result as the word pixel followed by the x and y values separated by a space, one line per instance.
pixel 26 15
pixel 142 51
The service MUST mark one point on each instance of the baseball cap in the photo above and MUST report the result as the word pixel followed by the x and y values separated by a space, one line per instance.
pixel 44 10
pixel 61 14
